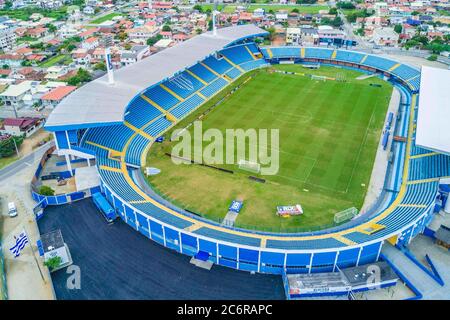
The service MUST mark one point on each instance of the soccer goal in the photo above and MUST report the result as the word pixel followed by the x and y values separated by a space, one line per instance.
pixel 320 78
pixel 345 215
pixel 249 166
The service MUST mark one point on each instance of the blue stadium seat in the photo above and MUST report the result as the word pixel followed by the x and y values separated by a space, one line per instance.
pixel 183 84
pixel 163 98
pixel 156 128
pixel 187 106
pixel 214 87
pixel 218 65
pixel 247 66
pixel 140 112
pixel 349 56
pixel 237 54
pixel 203 73
pixel 233 73
pixel 103 136
pixel 405 72
pixel 318 53
pixel 379 63
pixel 136 149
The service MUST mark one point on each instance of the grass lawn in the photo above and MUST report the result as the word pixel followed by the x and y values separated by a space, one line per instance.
pixel 329 132
pixel 54 60
pixel 5 161
pixel 275 7
pixel 300 8
pixel 105 18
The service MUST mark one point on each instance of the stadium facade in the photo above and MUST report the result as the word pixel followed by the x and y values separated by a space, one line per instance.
pixel 117 124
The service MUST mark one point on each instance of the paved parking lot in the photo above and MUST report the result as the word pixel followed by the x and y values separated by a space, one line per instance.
pixel 117 262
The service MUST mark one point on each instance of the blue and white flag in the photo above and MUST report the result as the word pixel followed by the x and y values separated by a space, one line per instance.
pixel 21 242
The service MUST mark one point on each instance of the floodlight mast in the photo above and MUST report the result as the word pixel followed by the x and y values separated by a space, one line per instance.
pixel 109 66
pixel 214 13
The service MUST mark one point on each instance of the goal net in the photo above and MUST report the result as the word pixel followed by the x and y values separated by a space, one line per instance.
pixel 249 166
pixel 345 215
pixel 321 78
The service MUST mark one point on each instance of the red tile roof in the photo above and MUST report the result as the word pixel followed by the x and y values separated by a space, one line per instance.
pixel 20 122
pixel 58 93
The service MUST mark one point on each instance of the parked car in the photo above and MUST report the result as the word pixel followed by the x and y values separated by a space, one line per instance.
pixel 12 210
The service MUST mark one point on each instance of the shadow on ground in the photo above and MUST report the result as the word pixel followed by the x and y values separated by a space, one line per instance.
pixel 117 262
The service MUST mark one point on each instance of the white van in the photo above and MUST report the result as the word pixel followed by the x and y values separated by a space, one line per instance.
pixel 12 210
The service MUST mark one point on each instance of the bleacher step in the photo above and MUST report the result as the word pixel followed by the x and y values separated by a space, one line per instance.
pixel 207 265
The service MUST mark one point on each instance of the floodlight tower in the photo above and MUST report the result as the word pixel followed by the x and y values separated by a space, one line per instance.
pixel 109 66
pixel 214 13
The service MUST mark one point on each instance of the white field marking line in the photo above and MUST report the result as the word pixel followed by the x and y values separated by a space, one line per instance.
pixel 309 173
pixel 312 184
pixel 311 116
pixel 281 151
pixel 362 144
pixel 308 117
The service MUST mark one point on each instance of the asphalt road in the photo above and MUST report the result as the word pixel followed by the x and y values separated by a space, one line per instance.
pixel 22 163
pixel 116 262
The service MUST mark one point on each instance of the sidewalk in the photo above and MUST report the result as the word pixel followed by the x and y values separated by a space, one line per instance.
pixel 429 288
pixel 22 274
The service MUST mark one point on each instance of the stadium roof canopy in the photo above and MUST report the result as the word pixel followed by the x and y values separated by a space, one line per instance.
pixel 434 110
pixel 99 103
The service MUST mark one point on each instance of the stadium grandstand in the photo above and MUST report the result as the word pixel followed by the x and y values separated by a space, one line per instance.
pixel 117 124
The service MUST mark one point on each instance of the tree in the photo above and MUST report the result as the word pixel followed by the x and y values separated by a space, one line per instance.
pixel 100 66
pixel 295 10
pixel 198 7
pixel 333 11
pixel 122 36
pixel 81 76
pixel 53 262
pixel 271 32
pixel 151 41
pixel 210 25
pixel 8 147
pixel 166 28
pixel 398 28
pixel 346 5
pixel 6 66
pixel 51 27
pixel 433 57
pixel 46 191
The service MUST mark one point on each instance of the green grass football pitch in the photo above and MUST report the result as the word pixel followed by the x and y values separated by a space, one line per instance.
pixel 329 132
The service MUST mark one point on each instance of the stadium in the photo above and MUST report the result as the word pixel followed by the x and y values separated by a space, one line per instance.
pixel 116 122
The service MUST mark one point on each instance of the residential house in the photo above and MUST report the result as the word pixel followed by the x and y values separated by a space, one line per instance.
pixel 38 32
pixel 385 37
pixel 14 95
pixel 293 36
pixel 28 73
pixel 55 96
pixel 12 60
pixel 21 126
pixel 141 34
pixel 55 72
pixel 90 43
pixel 136 53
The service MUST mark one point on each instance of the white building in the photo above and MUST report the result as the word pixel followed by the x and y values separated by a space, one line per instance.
pixel 54 72
pixel 15 94
pixel 385 37
pixel 7 37
pixel 293 36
